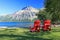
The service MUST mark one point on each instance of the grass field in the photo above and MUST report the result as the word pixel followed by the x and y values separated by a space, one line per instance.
pixel 24 34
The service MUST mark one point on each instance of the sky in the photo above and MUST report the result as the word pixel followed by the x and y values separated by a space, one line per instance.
pixel 11 6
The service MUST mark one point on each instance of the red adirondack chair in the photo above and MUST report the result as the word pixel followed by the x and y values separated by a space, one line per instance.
pixel 47 24
pixel 36 26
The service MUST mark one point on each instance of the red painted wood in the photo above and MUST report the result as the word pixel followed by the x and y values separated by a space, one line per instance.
pixel 36 26
pixel 47 24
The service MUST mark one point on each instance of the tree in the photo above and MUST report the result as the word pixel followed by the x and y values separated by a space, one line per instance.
pixel 43 15
pixel 53 7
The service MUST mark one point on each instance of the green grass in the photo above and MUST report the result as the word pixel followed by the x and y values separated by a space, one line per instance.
pixel 24 34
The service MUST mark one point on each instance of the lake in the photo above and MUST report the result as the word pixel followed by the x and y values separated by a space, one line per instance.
pixel 15 24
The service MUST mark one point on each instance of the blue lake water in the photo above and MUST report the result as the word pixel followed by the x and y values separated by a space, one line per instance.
pixel 16 24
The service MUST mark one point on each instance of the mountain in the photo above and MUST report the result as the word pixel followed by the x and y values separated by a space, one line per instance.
pixel 26 14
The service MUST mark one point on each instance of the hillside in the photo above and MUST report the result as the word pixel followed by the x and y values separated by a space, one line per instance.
pixel 23 15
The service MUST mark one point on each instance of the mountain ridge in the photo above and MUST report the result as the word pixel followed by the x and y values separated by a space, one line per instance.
pixel 26 14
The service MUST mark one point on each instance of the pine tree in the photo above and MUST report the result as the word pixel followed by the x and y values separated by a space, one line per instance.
pixel 53 7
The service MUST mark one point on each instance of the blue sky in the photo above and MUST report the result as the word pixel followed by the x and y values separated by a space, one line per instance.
pixel 11 6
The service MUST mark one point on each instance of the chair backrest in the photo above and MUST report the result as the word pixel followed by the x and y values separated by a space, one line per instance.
pixel 37 22
pixel 48 22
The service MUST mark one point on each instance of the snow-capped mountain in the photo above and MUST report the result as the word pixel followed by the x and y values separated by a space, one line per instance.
pixel 26 14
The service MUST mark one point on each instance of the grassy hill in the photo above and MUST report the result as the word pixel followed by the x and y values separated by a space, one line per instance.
pixel 24 34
